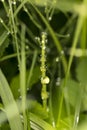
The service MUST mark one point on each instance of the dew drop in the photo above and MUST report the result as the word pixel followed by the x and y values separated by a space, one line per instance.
pixel 44 47
pixel 37 39
pixel 62 52
pixel 8 32
pixel 14 2
pixel 43 42
pixel 57 59
pixel 46 41
pixel 2 0
pixel 1 21
pixel 77 119
pixel 45 80
pixel 44 35
pixel 58 81
pixel 68 35
pixel 27 47
pixel 27 89
pixel 50 18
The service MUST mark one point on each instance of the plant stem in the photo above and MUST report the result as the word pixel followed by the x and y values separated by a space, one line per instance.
pixel 23 77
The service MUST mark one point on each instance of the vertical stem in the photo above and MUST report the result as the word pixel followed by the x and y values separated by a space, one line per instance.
pixel 13 28
pixel 44 78
pixel 23 76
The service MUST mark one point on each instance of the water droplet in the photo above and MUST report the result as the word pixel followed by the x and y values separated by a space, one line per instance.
pixel 44 35
pixel 45 80
pixel 58 81
pixel 1 21
pixel 27 47
pixel 27 89
pixel 44 47
pixel 8 32
pixel 53 124
pixel 57 59
pixel 37 39
pixel 46 41
pixel 77 119
pixel 14 2
pixel 2 0
pixel 50 18
pixel 43 41
pixel 68 35
pixel 62 52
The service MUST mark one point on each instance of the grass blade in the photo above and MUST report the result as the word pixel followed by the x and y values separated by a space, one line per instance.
pixel 8 100
pixel 37 122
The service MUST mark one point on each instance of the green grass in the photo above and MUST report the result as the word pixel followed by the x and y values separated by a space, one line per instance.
pixel 29 99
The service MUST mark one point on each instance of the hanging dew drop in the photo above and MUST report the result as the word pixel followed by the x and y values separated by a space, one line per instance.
pixel 44 47
pixel 62 52
pixel 14 2
pixel 1 21
pixel 58 81
pixel 57 59
pixel 2 0
pixel 8 32
pixel 50 18
pixel 27 47
pixel 45 80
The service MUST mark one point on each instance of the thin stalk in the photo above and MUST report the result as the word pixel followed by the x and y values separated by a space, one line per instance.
pixel 14 29
pixel 23 77
pixel 44 78
pixel 32 19
pixel 31 69
pixel 84 34
pixel 5 6
pixel 7 57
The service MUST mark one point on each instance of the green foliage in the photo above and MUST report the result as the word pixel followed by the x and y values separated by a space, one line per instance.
pixel 15 83
pixel 29 99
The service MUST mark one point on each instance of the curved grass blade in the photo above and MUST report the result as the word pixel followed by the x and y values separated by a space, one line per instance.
pixel 75 41
pixel 8 100
pixel 38 123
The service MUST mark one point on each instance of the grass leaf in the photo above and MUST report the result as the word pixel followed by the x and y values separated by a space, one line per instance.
pixel 8 100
